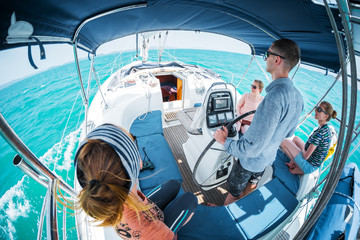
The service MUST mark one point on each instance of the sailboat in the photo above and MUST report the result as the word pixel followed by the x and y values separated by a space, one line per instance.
pixel 174 108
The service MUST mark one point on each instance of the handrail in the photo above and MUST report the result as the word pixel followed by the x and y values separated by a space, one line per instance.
pixel 30 171
pixel 15 142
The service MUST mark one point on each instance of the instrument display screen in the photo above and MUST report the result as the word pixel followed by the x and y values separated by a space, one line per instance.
pixel 221 117
pixel 213 119
pixel 221 104
pixel 229 116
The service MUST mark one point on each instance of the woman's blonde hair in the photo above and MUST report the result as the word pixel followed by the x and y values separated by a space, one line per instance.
pixel 105 184
pixel 329 110
pixel 261 84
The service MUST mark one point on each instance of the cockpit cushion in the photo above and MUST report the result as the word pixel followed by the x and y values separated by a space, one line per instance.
pixel 147 125
pixel 150 140
pixel 211 223
pixel 248 218
pixel 158 151
pixel 281 171
pixel 263 210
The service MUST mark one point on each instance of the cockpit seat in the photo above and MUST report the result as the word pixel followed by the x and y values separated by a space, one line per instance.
pixel 191 119
pixel 248 218
pixel 299 185
pixel 281 171
pixel 153 145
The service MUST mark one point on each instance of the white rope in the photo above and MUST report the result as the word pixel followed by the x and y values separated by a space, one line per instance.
pixel 62 137
pixel 247 69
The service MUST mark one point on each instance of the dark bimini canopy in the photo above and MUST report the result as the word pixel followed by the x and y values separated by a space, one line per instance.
pixel 258 22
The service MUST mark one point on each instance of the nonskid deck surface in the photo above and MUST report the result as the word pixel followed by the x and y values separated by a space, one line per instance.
pixel 176 136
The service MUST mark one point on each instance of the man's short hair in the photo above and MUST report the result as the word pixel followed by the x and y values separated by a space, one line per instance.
pixel 289 50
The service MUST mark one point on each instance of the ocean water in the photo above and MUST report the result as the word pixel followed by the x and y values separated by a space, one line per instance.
pixel 46 111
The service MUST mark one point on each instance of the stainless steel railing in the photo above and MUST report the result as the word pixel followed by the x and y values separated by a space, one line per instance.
pixel 32 167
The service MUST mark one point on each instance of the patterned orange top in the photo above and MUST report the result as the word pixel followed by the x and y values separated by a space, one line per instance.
pixel 145 228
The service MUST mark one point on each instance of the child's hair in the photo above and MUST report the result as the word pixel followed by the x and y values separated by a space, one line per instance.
pixel 329 110
pixel 105 184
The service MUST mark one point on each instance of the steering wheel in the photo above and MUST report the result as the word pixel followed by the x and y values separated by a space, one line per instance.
pixel 228 126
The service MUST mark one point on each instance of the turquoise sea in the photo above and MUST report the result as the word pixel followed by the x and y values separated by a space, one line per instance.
pixel 46 112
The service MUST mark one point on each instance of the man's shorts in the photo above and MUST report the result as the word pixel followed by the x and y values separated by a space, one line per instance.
pixel 239 177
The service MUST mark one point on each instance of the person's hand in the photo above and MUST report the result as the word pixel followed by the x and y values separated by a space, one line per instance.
pixel 220 135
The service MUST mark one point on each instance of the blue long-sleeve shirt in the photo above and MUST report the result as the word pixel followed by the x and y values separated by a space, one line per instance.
pixel 275 119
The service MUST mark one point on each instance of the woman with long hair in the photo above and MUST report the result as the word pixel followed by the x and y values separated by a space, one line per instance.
pixel 107 166
pixel 307 157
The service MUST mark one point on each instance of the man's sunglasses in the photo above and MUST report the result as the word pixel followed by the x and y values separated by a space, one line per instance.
pixel 319 109
pixel 268 53
pixel 253 86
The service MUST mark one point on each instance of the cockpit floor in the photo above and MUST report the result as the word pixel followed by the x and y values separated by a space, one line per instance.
pixel 176 136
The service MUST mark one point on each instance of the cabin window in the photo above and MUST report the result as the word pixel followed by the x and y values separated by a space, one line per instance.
pixel 171 87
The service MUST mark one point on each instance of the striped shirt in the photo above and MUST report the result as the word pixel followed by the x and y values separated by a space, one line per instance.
pixel 321 138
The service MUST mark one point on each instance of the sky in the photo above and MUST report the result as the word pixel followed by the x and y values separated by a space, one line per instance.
pixel 14 63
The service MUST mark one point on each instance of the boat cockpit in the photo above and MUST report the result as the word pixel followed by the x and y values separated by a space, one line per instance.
pixel 217 110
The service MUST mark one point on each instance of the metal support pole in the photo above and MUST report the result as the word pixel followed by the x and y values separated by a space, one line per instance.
pixel 84 97
pixel 326 93
pixel 267 77
pixel 51 216
pixel 247 69
pixel 97 81
pixel 64 223
pixel 42 216
pixel 137 45
pixel 85 100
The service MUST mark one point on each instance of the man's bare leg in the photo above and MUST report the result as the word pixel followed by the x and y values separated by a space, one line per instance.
pixel 248 189
pixel 230 199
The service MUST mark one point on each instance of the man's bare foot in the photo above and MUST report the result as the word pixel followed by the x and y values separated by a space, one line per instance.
pixel 230 199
